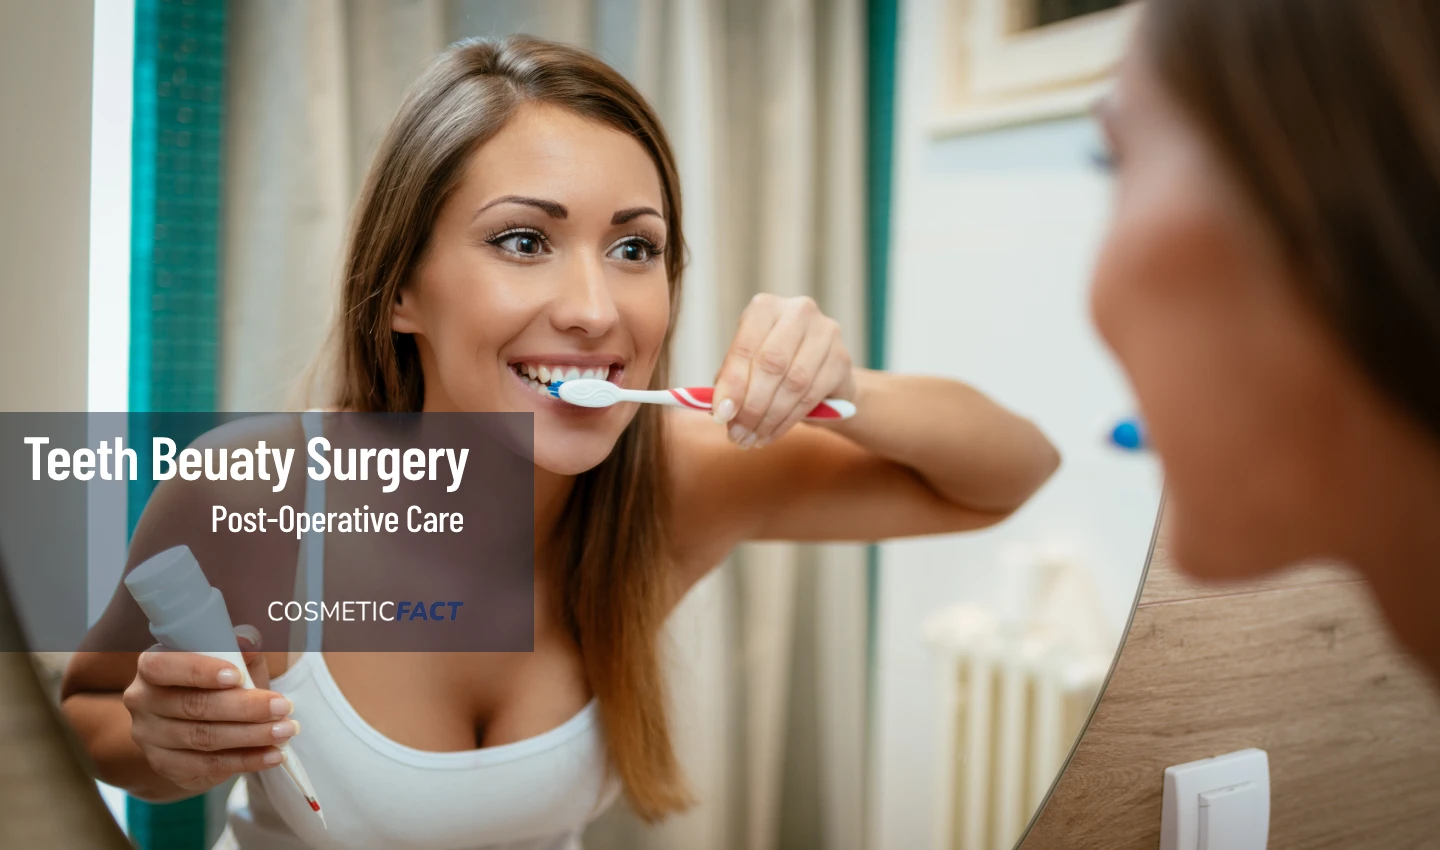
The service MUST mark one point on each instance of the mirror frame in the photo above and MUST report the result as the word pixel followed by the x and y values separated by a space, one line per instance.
pixel 1300 663
pixel 47 796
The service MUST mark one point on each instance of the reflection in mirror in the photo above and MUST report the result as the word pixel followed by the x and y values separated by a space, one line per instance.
pixel 991 647
pixel 821 693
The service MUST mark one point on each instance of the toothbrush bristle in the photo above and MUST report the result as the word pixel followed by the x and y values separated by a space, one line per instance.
pixel 554 388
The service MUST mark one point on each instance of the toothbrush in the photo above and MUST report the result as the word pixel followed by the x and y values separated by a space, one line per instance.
pixel 593 392
pixel 1128 435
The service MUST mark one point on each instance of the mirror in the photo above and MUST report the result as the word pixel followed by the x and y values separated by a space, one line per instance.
pixel 920 693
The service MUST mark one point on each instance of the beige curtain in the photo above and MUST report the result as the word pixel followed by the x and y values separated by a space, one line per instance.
pixel 764 102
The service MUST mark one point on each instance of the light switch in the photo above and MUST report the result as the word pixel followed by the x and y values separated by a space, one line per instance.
pixel 1234 817
pixel 1221 803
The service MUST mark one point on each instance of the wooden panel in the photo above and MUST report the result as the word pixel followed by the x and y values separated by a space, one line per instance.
pixel 1308 674
pixel 1165 582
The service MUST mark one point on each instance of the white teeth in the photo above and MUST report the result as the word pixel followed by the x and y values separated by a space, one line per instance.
pixel 547 374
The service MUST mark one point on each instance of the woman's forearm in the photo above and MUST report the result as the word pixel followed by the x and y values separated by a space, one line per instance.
pixel 103 725
pixel 969 449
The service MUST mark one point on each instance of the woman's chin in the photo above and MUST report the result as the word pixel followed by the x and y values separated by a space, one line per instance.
pixel 571 459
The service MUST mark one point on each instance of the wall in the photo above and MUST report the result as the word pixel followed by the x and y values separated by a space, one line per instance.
pixel 45 169
pixel 992 242
pixel 45 217
pixel 44 247
pixel 1300 665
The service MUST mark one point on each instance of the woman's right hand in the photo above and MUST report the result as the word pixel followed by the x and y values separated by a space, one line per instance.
pixel 196 725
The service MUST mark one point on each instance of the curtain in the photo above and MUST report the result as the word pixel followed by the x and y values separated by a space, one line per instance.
pixel 764 102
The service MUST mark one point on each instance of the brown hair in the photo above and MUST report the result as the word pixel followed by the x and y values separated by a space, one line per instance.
pixel 1328 111
pixel 613 540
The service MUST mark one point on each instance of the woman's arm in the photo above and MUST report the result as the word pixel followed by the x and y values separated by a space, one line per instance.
pixel 101 693
pixel 969 450
pixel 921 455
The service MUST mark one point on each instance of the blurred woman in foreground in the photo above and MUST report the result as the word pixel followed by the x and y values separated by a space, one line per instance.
pixel 1272 285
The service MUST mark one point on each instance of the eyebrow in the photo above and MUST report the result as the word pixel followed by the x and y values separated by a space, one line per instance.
pixel 633 213
pixel 550 208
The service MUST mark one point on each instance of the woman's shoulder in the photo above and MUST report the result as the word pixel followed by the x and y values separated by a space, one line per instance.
pixel 244 465
pixel 274 430
pixel 224 513
pixel 708 475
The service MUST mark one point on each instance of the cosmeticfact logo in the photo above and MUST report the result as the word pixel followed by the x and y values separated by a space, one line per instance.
pixel 366 611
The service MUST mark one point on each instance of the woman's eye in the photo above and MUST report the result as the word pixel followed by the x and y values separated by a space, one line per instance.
pixel 633 251
pixel 526 244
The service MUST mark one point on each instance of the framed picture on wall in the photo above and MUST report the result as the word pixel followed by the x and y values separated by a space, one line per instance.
pixel 1014 61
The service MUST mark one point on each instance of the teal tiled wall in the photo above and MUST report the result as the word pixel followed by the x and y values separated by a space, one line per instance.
pixel 175 267
pixel 882 34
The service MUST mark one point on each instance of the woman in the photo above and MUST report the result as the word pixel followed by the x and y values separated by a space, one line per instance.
pixel 1271 284
pixel 522 216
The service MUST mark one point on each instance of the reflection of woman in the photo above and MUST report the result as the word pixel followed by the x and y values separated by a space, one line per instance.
pixel 522 220
pixel 1272 284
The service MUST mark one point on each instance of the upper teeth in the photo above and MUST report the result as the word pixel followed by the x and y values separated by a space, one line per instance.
pixel 545 373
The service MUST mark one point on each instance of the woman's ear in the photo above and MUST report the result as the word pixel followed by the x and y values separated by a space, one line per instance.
pixel 403 318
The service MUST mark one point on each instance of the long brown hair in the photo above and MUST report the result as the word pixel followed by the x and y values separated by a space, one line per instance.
pixel 1328 112
pixel 613 539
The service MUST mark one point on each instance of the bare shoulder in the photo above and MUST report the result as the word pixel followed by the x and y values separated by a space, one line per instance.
pixel 181 505
pixel 274 430
pixel 704 528
pixel 710 513
pixel 249 567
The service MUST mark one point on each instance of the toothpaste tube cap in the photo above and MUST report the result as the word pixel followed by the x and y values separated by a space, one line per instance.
pixel 169 585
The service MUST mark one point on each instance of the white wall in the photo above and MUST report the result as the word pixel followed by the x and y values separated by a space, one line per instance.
pixel 45 216
pixel 993 237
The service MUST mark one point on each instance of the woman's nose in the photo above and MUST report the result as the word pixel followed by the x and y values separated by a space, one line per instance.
pixel 584 302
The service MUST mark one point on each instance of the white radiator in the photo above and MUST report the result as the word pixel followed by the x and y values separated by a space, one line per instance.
pixel 1012 702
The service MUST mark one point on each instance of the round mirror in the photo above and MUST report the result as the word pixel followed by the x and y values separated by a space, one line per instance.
pixel 865 672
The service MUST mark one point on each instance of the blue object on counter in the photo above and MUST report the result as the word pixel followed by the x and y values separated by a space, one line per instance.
pixel 1129 434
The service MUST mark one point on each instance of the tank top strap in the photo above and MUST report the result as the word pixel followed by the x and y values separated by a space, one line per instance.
pixel 310 570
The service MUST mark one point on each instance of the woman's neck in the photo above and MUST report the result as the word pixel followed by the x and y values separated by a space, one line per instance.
pixel 1402 558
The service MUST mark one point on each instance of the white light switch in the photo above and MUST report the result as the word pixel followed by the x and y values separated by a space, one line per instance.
pixel 1221 803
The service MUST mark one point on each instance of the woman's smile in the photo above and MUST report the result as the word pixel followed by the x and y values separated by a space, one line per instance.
pixel 534 374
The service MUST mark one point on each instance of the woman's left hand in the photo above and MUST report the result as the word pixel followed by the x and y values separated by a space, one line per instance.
pixel 786 358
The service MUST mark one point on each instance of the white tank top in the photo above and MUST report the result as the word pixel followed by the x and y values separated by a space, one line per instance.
pixel 378 794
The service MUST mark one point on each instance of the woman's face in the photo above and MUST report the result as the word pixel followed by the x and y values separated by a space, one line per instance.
pixel 545 264
pixel 1273 443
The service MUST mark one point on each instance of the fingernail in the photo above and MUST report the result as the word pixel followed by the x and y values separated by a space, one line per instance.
pixel 762 443
pixel 737 433
pixel 228 676
pixel 280 707
pixel 725 411
pixel 285 729
pixel 249 634
pixel 749 441
pixel 274 757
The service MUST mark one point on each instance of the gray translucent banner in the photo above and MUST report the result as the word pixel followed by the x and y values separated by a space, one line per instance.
pixel 341 531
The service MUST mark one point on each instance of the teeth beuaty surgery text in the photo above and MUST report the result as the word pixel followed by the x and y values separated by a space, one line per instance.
pixel 110 463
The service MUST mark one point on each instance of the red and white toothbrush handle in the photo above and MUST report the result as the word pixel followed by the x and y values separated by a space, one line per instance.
pixel 700 398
